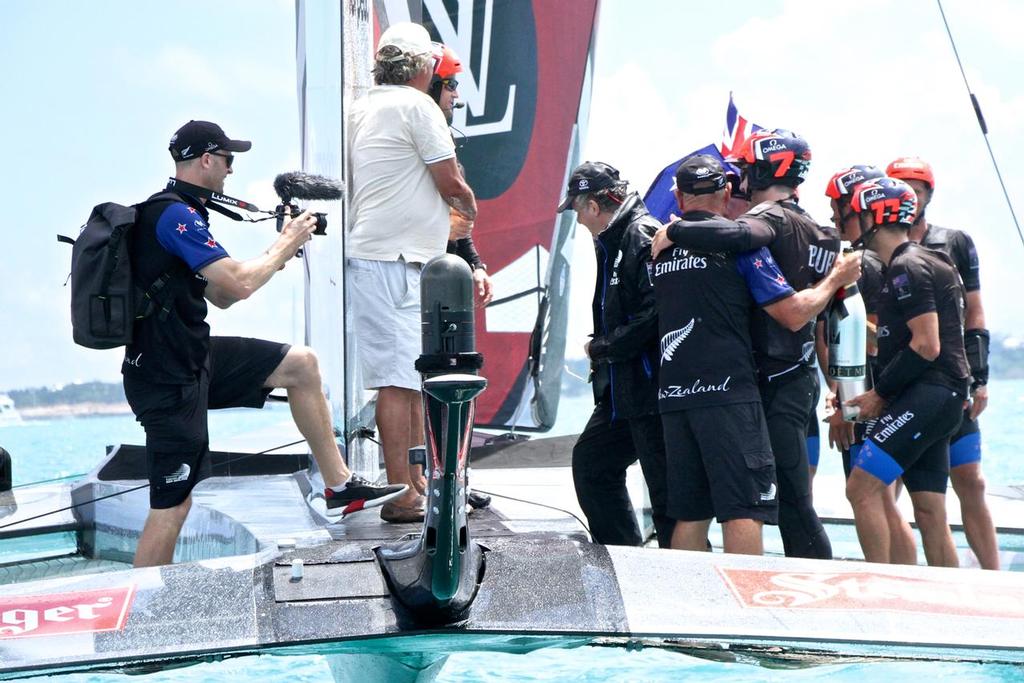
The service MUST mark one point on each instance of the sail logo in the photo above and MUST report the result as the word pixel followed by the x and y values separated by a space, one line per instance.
pixel 65 613
pixel 497 45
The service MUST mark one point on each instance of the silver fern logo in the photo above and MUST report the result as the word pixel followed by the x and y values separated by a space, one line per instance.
pixel 671 341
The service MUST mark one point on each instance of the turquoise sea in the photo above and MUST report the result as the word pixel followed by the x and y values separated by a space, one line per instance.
pixel 61 447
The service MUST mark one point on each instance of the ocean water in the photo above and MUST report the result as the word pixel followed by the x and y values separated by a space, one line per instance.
pixel 63 447
pixel 572 662
pixel 67 446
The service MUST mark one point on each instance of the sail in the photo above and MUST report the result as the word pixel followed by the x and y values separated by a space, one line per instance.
pixel 526 82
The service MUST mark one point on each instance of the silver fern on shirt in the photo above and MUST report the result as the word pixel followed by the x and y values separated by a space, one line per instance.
pixel 671 341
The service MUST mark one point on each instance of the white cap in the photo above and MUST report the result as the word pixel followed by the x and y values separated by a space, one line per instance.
pixel 407 37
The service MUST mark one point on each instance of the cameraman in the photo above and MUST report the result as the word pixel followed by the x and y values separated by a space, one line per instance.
pixel 174 371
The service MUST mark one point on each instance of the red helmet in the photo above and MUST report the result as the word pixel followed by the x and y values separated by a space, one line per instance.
pixel 890 201
pixel 846 181
pixel 773 157
pixel 911 168
pixel 446 62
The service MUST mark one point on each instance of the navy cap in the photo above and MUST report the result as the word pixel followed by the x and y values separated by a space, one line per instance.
pixel 700 174
pixel 196 138
pixel 590 176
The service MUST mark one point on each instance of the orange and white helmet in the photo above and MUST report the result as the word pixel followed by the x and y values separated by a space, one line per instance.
pixel 911 168
pixel 446 62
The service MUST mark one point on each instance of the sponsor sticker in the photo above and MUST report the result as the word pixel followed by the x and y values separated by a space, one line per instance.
pixel 871 591
pixel 61 614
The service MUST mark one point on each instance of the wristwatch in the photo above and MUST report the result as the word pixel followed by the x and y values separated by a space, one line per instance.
pixel 481 266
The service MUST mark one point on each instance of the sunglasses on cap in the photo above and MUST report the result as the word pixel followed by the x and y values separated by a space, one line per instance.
pixel 228 158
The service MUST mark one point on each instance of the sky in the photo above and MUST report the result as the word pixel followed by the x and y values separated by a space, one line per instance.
pixel 94 90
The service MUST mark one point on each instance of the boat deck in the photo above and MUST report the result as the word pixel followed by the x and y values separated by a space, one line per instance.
pixel 542 581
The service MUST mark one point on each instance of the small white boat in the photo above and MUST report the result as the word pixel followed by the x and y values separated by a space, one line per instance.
pixel 8 413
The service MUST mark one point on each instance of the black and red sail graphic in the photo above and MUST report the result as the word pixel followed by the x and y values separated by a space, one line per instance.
pixel 526 93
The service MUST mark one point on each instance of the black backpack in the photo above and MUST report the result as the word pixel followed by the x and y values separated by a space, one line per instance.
pixel 105 299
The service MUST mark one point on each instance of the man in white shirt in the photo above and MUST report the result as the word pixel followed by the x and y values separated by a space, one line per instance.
pixel 404 180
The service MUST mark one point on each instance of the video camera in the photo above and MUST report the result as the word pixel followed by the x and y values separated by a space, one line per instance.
pixel 299 185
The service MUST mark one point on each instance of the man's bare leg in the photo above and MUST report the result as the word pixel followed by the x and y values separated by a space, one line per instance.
pixel 930 514
pixel 969 486
pixel 415 439
pixel 299 373
pixel 394 406
pixel 902 544
pixel 160 534
pixel 867 495
pixel 743 537
pixel 691 535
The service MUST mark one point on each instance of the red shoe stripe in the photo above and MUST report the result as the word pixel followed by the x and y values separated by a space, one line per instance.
pixel 354 506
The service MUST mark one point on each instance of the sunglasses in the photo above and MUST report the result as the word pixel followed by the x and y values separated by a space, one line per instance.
pixel 450 84
pixel 228 158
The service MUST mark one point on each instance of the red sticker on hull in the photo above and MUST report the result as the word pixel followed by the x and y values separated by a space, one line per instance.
pixel 61 614
pixel 872 591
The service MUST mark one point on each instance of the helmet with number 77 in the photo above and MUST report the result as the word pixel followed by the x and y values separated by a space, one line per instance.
pixel 888 201
pixel 775 157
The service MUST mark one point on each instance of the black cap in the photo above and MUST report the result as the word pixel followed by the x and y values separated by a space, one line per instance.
pixel 700 174
pixel 590 176
pixel 196 138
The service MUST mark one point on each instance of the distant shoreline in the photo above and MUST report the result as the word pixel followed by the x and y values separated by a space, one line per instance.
pixel 74 410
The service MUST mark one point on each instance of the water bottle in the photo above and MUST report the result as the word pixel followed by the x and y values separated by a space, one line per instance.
pixel 847 348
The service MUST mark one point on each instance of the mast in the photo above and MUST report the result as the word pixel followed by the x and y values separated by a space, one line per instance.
pixel 334 54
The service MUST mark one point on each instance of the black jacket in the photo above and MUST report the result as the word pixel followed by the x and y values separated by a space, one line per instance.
pixel 624 349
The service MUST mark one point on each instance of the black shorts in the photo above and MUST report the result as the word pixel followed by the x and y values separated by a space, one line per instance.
pixel 174 415
pixel 911 438
pixel 720 464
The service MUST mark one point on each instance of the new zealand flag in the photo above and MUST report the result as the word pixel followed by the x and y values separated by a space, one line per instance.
pixel 659 198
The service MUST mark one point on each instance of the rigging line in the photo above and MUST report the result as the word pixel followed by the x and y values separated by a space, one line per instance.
pixel 533 502
pixel 136 488
pixel 50 481
pixel 981 122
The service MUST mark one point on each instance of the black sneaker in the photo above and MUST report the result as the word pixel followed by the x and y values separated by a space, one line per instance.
pixel 359 494
pixel 478 501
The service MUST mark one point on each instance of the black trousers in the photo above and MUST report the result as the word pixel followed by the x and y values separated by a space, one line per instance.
pixel 599 461
pixel 789 402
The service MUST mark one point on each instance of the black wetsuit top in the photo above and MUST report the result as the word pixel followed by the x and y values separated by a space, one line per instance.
pixel 704 307
pixel 920 280
pixel 803 250
pixel 171 349
pixel 872 279
pixel 959 247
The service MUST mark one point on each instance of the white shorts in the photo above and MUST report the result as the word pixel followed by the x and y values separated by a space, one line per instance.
pixel 384 298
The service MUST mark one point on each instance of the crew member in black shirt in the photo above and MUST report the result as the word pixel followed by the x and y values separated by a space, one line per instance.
pixel 773 164
pixel 174 371
pixel 717 450
pixel 848 437
pixel 716 437
pixel 965 446
pixel 623 359
pixel 919 393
